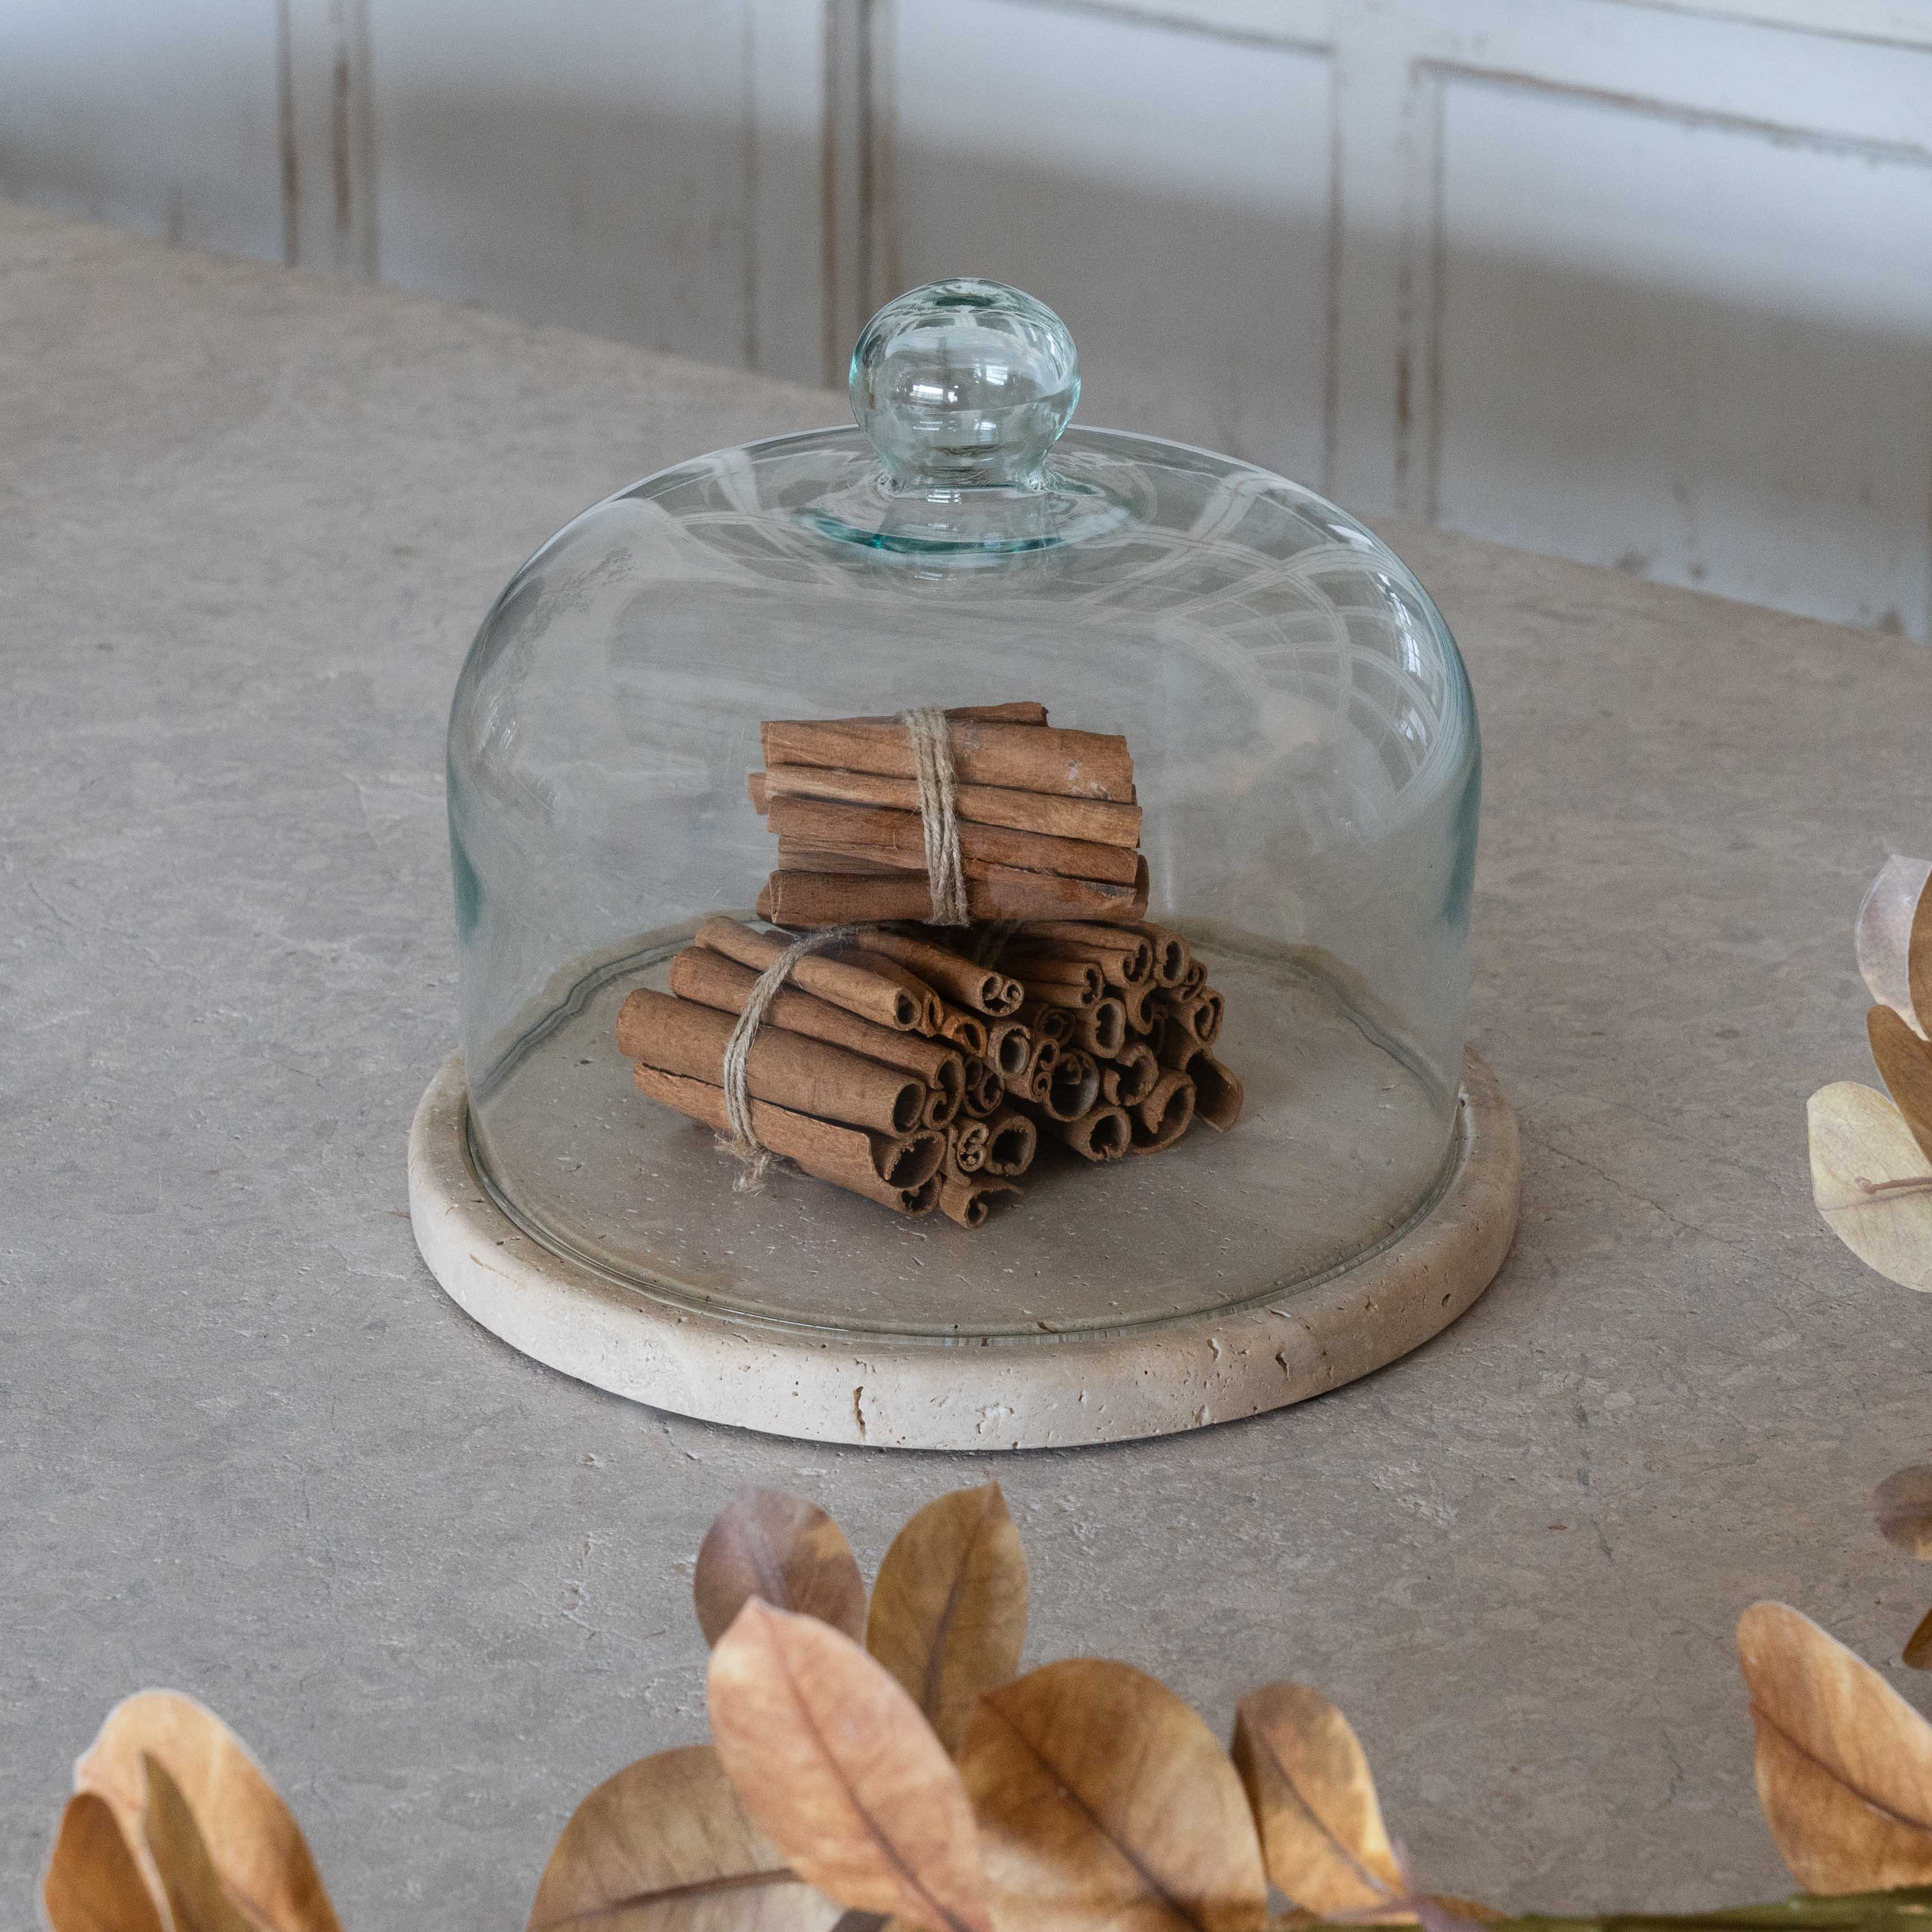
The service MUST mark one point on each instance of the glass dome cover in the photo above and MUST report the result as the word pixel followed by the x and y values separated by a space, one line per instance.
pixel 1305 761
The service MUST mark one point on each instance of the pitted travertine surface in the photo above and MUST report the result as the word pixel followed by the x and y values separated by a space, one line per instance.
pixel 250 521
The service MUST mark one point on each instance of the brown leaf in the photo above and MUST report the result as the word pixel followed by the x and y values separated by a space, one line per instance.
pixel 256 1846
pixel 196 1901
pixel 93 1883
pixel 1105 1801
pixel 1884 933
pixel 786 1552
pixel 949 1606
pixel 1872 1181
pixel 1844 1764
pixel 1307 1780
pixel 665 1846
pixel 1903 1503
pixel 1904 1062
pixel 1918 1650
pixel 837 1767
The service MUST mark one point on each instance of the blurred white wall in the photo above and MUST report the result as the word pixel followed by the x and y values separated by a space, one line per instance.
pixel 1644 282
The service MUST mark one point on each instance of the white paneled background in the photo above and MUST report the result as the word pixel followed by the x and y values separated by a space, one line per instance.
pixel 1644 282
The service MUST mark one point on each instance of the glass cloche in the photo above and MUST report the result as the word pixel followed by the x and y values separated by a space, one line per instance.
pixel 1188 750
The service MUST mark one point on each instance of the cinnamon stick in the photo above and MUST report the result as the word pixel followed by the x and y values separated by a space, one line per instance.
pixel 711 979
pixel 1129 1077
pixel 950 974
pixel 967 1031
pixel 1072 1086
pixel 837 898
pixel 1142 1018
pixel 881 968
pixel 884 1003
pixel 898 839
pixel 1219 1094
pixel 1188 1025
pixel 787 1069
pixel 1045 1020
pixel 985 1089
pixel 1009 1046
pixel 1126 955
pixel 1102 1133
pixel 897 1171
pixel 965 1147
pixel 1062 983
pixel 1102 1028
pixel 1162 1117
pixel 1011 1140
pixel 1054 818
pixel 1172 954
pixel 1025 758
pixel 969 1201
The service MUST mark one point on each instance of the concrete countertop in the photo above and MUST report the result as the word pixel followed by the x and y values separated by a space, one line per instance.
pixel 251 519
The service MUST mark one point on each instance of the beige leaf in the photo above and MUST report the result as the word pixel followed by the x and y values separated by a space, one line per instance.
pixel 1903 1503
pixel 665 1846
pixel 1307 1780
pixel 784 1550
pixel 837 1767
pixel 93 1883
pixel 1918 958
pixel 1844 1764
pixel 1918 1650
pixel 1105 1801
pixel 949 1606
pixel 257 1847
pixel 1883 935
pixel 1904 1062
pixel 196 1902
pixel 1866 1174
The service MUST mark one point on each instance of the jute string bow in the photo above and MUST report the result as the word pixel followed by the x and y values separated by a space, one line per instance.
pixel 931 741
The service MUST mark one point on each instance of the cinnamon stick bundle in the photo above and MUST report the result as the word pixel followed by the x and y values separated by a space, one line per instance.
pixel 1022 758
pixel 788 1070
pixel 897 1171
pixel 709 979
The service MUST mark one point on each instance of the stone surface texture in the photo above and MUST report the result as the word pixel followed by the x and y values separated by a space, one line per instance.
pixel 251 519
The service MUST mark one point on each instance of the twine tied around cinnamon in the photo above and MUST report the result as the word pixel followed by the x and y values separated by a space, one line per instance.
pixel 931 736
pixel 755 1157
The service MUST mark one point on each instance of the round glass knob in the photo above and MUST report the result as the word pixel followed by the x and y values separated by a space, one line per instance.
pixel 963 384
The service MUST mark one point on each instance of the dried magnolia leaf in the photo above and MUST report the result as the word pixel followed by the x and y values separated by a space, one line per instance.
pixel 786 1552
pixel 1844 1764
pixel 834 1764
pixel 1105 1801
pixel 1322 1835
pixel 1883 935
pixel 1872 1181
pixel 256 1846
pixel 1905 1062
pixel 665 1846
pixel 196 1902
pixel 1918 1650
pixel 1919 957
pixel 93 1883
pixel 1903 1503
pixel 949 1606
